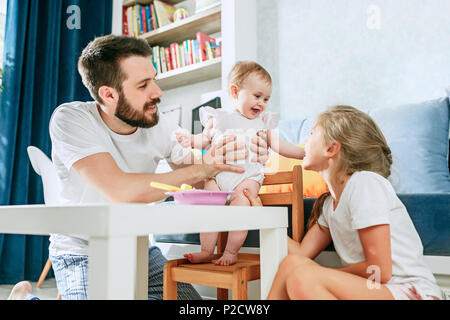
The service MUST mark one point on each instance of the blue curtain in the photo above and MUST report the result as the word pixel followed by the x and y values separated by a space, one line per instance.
pixel 43 41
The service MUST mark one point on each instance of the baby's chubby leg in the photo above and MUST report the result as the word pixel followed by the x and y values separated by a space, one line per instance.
pixel 207 239
pixel 236 238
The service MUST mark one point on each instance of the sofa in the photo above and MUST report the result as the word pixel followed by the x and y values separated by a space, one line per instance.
pixel 418 135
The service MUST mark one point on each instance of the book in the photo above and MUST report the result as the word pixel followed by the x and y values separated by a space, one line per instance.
pixel 124 21
pixel 191 52
pixel 155 58
pixel 158 59
pixel 154 19
pixel 219 48
pixel 186 48
pixel 164 12
pixel 130 21
pixel 173 55
pixel 148 16
pixel 139 15
pixel 178 53
pixel 202 40
pixel 196 53
pixel 135 22
pixel 162 53
pixel 138 19
pixel 181 53
pixel 143 20
pixel 209 52
pixel 168 59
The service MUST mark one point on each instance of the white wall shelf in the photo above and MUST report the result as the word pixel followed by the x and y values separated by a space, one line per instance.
pixel 127 3
pixel 194 73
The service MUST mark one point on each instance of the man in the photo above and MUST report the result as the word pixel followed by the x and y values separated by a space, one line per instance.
pixel 107 151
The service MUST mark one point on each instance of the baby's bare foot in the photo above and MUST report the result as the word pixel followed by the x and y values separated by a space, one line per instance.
pixel 227 259
pixel 20 291
pixel 199 257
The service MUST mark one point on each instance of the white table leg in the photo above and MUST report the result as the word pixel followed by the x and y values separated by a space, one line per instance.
pixel 273 248
pixel 142 268
pixel 112 268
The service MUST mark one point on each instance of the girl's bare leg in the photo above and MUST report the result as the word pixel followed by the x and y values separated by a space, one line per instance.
pixel 236 238
pixel 287 266
pixel 208 240
pixel 301 278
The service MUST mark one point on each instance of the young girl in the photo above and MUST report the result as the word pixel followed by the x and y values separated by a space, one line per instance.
pixel 250 87
pixel 380 250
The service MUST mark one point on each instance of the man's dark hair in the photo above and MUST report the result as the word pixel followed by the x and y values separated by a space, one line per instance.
pixel 99 63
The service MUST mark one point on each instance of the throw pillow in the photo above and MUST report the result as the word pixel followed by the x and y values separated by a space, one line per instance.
pixel 418 137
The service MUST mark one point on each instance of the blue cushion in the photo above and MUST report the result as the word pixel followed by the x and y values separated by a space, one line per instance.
pixel 430 214
pixel 418 137
pixel 295 131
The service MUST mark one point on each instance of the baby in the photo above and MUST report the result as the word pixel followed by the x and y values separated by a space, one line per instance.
pixel 250 87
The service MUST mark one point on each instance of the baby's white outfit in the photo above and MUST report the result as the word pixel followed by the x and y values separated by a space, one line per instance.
pixel 231 122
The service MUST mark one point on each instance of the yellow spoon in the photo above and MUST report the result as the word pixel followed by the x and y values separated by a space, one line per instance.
pixel 185 186
pixel 168 187
pixel 164 186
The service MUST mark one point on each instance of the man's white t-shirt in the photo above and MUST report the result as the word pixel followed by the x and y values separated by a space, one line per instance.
pixel 78 131
pixel 368 199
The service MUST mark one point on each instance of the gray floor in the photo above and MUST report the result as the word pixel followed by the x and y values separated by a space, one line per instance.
pixel 47 291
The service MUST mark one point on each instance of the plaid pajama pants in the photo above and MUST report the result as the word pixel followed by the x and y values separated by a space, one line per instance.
pixel 71 277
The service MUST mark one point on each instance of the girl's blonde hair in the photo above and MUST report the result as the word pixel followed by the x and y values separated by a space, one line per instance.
pixel 243 69
pixel 363 146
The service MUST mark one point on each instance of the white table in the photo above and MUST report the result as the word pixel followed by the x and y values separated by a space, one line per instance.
pixel 118 236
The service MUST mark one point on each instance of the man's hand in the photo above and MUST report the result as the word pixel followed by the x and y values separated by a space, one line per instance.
pixel 215 159
pixel 259 146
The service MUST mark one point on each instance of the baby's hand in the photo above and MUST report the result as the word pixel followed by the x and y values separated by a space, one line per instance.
pixel 183 138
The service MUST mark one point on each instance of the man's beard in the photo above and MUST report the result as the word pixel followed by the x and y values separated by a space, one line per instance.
pixel 136 118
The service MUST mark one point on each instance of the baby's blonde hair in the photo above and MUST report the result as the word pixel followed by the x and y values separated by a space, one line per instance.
pixel 363 146
pixel 243 69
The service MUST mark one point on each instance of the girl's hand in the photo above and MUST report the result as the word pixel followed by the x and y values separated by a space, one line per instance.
pixel 201 141
pixel 183 138
pixel 254 202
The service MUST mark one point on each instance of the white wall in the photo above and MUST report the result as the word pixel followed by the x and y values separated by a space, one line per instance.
pixel 116 27
pixel 359 52
pixel 191 96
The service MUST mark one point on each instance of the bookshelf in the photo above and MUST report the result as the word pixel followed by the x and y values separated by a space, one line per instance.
pixel 207 22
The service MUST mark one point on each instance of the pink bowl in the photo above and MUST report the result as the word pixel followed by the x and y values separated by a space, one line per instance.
pixel 200 197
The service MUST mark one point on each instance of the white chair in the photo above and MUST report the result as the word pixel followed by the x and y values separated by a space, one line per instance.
pixel 45 168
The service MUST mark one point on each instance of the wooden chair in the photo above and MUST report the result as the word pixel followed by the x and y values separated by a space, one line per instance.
pixel 247 268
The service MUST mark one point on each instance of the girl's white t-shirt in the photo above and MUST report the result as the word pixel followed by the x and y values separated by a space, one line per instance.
pixel 77 131
pixel 368 199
